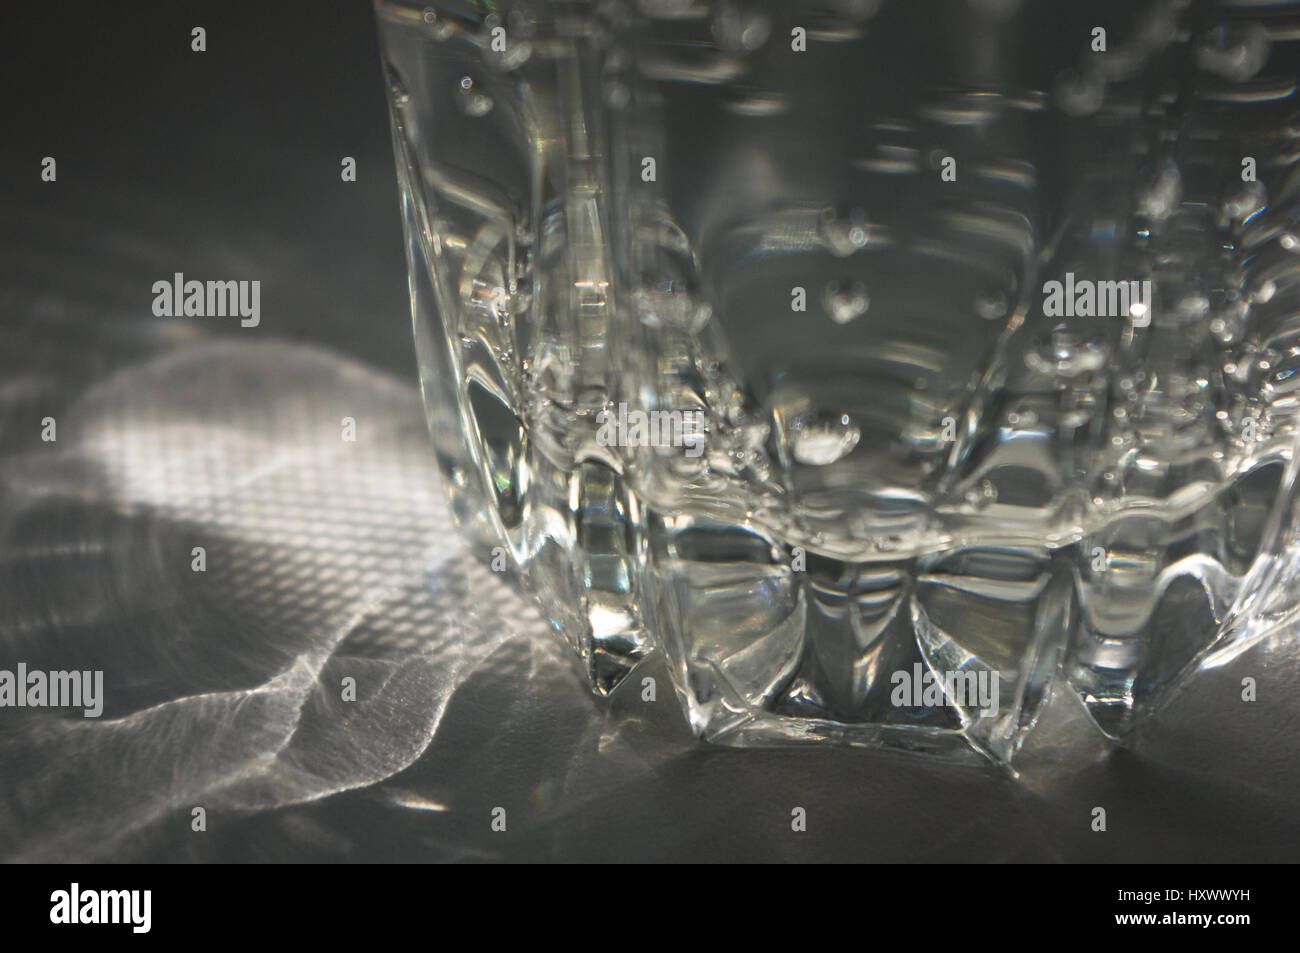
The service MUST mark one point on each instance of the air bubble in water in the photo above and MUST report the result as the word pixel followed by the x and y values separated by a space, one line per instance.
pixel 472 102
pixel 1078 94
pixel 1160 189
pixel 819 442
pixel 1193 307
pixel 1066 355
pixel 1022 417
pixel 398 89
pixel 1246 201
pixel 1228 326
pixel 981 496
pixel 616 94
pixel 440 29
pixel 1235 51
pixel 741 27
pixel 669 304
pixel 844 234
pixel 845 301
pixel 517 50
pixel 991 305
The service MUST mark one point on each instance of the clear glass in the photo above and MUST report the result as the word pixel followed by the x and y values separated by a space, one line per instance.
pixel 887 364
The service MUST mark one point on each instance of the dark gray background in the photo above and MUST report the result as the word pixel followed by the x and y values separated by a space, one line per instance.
pixel 329 560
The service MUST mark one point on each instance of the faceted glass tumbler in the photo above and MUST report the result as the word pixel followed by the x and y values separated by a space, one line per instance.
pixel 887 365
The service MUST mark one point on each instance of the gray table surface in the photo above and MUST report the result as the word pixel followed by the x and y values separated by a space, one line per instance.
pixel 328 559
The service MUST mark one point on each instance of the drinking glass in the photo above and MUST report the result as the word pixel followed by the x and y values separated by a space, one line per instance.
pixel 890 366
